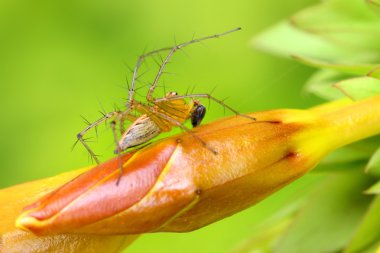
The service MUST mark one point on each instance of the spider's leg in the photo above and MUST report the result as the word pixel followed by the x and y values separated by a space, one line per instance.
pixel 126 115
pixel 118 149
pixel 136 69
pixel 89 127
pixel 183 127
pixel 208 96
pixel 149 96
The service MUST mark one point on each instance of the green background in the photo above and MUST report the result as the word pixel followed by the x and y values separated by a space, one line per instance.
pixel 58 59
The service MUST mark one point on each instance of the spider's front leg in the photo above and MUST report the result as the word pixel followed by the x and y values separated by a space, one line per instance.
pixel 174 49
pixel 118 149
pixel 89 127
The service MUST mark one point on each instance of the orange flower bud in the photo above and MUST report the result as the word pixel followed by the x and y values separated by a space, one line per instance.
pixel 13 199
pixel 178 184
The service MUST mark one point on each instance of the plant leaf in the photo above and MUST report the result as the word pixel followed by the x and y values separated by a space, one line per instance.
pixel 329 218
pixel 368 232
pixel 373 166
pixel 374 73
pixel 355 69
pixel 374 6
pixel 346 154
pixel 374 189
pixel 348 24
pixel 321 84
pixel 295 41
pixel 360 87
pixel 268 232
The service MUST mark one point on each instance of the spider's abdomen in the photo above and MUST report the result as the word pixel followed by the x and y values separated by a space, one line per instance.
pixel 141 131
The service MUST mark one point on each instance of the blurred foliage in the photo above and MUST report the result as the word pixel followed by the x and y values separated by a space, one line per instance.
pixel 60 58
pixel 342 40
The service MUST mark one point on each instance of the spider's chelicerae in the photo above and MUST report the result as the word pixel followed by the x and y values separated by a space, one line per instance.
pixel 156 115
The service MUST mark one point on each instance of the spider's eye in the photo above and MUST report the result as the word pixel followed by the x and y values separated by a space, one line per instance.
pixel 171 94
pixel 197 115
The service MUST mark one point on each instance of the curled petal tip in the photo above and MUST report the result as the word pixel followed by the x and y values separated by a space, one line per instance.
pixel 24 222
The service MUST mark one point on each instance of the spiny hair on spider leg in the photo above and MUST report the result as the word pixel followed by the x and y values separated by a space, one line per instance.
pixel 193 88
pixel 168 73
pixel 162 60
pixel 85 120
pixel 122 86
pixel 92 157
pixel 224 108
pixel 74 145
pixel 116 108
pixel 88 139
pixel 175 40
pixel 212 90
pixel 102 107
pixel 141 75
pixel 210 93
pixel 127 65
pixel 156 61
pixel 145 84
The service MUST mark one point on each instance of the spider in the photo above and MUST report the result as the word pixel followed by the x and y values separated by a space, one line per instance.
pixel 156 115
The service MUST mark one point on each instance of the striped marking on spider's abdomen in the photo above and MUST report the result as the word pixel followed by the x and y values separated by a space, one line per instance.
pixel 141 131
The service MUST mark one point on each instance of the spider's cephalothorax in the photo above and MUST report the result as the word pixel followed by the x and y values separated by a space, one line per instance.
pixel 156 115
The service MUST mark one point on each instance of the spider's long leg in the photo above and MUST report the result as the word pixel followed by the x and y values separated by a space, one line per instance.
pixel 118 149
pixel 208 96
pixel 149 96
pixel 183 127
pixel 137 67
pixel 126 116
pixel 89 127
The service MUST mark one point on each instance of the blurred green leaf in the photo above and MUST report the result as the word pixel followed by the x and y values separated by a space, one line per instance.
pixel 321 84
pixel 324 90
pixel 374 6
pixel 373 166
pixel 335 14
pixel 375 73
pixel 368 233
pixel 263 242
pixel 351 157
pixel 284 39
pixel 360 87
pixel 328 221
pixel 374 189
pixel 339 167
pixel 350 153
pixel 349 24
pixel 355 69
pixel 268 232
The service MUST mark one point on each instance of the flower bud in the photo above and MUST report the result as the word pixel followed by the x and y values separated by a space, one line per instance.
pixel 178 184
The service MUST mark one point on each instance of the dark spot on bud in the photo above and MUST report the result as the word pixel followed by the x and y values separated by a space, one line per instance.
pixel 292 155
